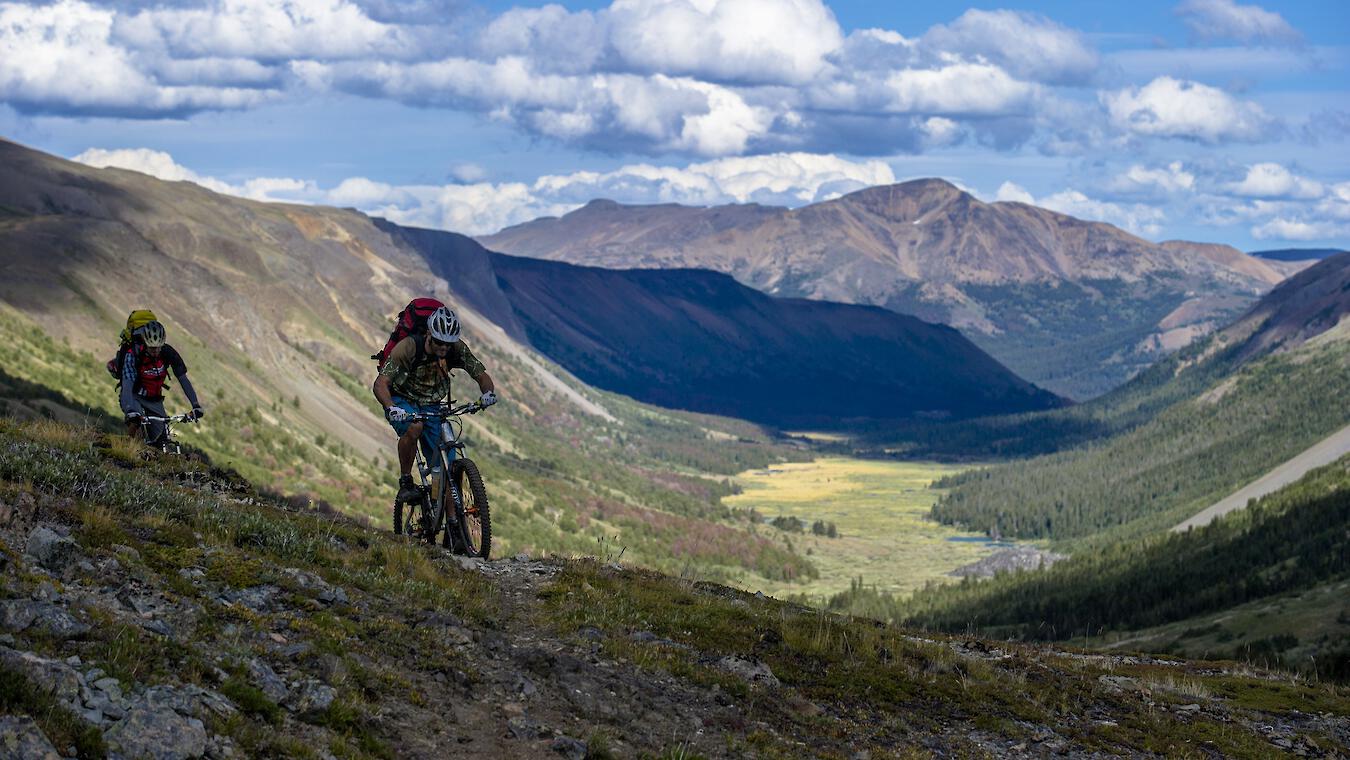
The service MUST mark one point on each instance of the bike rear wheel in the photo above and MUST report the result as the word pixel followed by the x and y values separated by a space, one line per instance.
pixel 475 520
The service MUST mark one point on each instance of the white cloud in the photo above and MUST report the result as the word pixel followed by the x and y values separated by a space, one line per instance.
pixel 1014 193
pixel 61 58
pixel 1270 180
pixel 162 166
pixel 156 163
pixel 1137 218
pixel 766 41
pixel 1172 178
pixel 1027 45
pixel 1281 228
pixel 477 208
pixel 1168 107
pixel 1225 19
pixel 963 88
pixel 264 29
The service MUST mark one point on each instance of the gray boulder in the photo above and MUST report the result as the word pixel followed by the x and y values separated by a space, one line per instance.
pixel 52 550
pixel 310 699
pixel 20 737
pixel 753 671
pixel 157 732
pixel 50 619
pixel 267 680
pixel 55 677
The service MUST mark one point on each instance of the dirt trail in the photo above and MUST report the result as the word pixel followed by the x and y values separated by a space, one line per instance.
pixel 1324 452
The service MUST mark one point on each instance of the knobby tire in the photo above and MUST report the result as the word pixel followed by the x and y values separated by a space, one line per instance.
pixel 475 520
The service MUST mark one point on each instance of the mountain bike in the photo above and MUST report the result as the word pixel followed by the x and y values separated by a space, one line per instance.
pixel 458 510
pixel 166 442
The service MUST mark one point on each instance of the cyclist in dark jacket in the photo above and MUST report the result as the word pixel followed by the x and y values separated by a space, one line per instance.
pixel 144 365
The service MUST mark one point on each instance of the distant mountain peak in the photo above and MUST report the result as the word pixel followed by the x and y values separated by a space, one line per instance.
pixel 1076 305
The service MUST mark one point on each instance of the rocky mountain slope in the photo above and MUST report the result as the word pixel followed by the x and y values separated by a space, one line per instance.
pixel 694 339
pixel 161 607
pixel 1076 307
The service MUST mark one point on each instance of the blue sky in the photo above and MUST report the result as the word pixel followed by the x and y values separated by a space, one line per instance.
pixel 1213 120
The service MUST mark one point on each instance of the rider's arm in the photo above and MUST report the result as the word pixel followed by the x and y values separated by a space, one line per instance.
pixel 485 383
pixel 381 391
pixel 127 397
pixel 175 361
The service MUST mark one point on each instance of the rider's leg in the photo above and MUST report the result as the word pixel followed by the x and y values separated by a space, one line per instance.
pixel 407 444
pixel 154 431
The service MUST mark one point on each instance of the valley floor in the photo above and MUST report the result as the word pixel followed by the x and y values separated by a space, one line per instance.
pixel 880 511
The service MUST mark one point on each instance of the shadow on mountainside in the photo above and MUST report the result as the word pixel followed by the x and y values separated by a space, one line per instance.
pixel 149 606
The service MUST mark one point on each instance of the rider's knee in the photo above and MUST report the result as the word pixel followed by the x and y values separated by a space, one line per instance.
pixel 414 429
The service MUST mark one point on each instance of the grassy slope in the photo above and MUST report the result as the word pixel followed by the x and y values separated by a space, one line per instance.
pixel 845 685
pixel 559 481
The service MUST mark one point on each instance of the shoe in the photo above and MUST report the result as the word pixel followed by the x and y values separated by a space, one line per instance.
pixel 408 491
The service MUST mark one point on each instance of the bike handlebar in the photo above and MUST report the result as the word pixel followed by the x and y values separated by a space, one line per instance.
pixel 177 418
pixel 449 411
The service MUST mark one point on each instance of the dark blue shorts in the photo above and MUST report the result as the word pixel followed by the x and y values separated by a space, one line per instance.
pixel 431 429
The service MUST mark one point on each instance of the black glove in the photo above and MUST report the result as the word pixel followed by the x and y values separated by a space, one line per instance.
pixel 132 417
pixel 198 413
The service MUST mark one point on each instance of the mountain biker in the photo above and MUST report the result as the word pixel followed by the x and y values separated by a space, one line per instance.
pixel 144 365
pixel 416 378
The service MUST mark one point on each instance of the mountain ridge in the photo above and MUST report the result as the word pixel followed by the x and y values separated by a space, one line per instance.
pixel 697 339
pixel 1029 285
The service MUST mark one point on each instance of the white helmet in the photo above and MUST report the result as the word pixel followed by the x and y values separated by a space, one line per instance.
pixel 443 325
pixel 152 334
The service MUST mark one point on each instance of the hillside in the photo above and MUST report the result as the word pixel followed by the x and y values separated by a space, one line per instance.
pixel 1295 541
pixel 1297 254
pixel 276 308
pixel 1222 414
pixel 164 606
pixel 694 339
pixel 1076 307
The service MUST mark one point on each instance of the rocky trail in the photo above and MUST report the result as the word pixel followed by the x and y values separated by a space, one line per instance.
pixel 158 608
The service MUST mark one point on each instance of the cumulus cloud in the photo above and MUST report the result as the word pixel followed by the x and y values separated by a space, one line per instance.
pixel 264 29
pixel 963 88
pixel 1168 107
pixel 1026 44
pixel 1172 178
pixel 1137 218
pixel 790 179
pixel 62 58
pixel 1300 230
pixel 1271 180
pixel 762 41
pixel 161 165
pixel 1225 19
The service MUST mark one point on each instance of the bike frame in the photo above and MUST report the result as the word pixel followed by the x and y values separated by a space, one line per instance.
pixel 168 442
pixel 451 430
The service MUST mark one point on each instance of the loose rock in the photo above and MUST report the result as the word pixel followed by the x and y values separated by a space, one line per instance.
pixel 21 737
pixel 52 550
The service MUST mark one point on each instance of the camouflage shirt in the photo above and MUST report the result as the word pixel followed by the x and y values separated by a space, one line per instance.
pixel 428 382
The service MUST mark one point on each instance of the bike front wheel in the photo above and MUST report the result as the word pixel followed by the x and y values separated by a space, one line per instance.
pixel 471 511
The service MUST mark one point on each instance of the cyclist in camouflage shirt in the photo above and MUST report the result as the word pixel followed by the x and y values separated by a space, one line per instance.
pixel 416 378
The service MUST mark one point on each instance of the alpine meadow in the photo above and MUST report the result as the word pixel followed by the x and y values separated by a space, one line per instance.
pixel 674 379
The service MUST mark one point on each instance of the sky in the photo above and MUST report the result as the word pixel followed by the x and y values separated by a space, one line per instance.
pixel 1211 120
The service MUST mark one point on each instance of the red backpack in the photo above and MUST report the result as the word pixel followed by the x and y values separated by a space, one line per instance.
pixel 411 321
